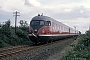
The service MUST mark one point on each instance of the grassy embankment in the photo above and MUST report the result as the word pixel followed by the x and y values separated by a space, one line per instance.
pixel 81 50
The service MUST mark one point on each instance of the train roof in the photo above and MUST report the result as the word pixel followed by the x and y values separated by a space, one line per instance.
pixel 46 18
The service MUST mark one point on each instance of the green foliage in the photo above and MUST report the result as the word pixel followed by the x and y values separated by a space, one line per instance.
pixel 9 38
pixel 81 50
pixel 23 23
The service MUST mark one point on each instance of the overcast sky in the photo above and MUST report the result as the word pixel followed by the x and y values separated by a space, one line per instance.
pixel 70 12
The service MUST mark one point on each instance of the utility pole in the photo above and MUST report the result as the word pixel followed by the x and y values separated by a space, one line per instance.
pixel 16 14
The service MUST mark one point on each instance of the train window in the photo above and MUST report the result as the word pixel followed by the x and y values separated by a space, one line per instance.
pixel 59 27
pixel 37 22
pixel 32 22
pixel 47 23
pixel 41 22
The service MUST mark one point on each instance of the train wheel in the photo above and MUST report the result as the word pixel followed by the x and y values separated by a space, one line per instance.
pixel 36 43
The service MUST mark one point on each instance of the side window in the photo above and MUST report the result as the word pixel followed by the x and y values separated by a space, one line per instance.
pixel 47 23
pixel 59 27
pixel 53 26
pixel 62 28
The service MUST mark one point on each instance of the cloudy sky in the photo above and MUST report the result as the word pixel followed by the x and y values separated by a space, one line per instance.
pixel 70 12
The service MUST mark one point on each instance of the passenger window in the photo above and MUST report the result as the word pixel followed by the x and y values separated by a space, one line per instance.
pixel 59 27
pixel 47 23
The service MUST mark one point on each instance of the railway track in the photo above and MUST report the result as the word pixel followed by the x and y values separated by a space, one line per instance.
pixel 6 52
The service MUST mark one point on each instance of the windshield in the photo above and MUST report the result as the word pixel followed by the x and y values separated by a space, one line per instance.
pixel 40 22
pixel 37 22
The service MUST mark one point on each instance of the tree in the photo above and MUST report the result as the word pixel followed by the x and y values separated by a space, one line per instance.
pixel 8 23
pixel 23 23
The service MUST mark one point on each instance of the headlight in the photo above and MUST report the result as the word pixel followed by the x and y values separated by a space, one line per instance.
pixel 35 30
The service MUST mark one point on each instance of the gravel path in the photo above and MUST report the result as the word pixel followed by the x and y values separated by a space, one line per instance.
pixel 50 52
pixel 59 55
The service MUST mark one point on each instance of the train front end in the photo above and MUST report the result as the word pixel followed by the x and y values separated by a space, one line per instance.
pixel 38 29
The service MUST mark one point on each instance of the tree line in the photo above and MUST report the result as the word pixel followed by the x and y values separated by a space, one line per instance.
pixel 8 37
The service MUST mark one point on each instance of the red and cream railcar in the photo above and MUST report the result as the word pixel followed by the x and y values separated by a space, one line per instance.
pixel 45 29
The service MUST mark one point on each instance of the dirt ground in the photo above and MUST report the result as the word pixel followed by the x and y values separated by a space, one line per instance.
pixel 59 55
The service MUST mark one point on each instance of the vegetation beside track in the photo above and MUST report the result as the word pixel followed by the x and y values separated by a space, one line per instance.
pixel 8 37
pixel 81 51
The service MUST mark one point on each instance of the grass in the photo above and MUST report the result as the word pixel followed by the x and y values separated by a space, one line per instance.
pixel 80 51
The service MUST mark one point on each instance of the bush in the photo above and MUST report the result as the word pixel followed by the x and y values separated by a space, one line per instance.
pixel 81 50
pixel 8 37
